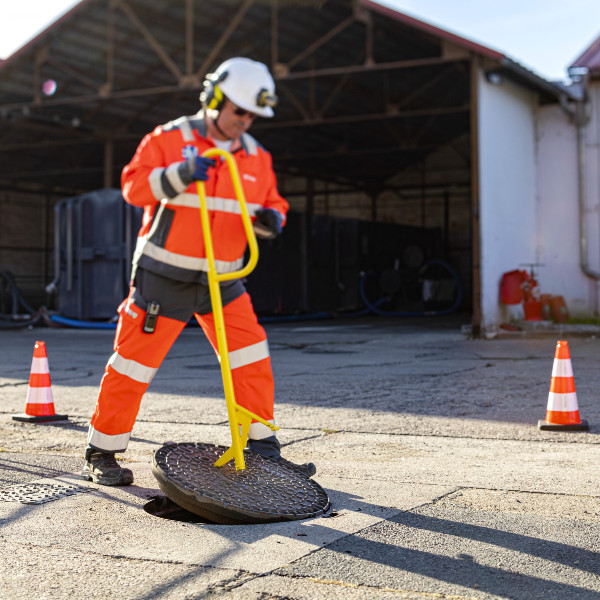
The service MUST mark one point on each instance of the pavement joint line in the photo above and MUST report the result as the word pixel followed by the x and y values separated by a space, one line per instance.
pixel 435 595
pixel 473 487
pixel 432 501
pixel 440 435
pixel 304 439
pixel 564 494
pixel 228 586
pixel 548 439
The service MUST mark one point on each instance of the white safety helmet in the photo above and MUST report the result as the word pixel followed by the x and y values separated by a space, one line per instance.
pixel 247 83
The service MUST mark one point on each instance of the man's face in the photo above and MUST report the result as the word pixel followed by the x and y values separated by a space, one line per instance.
pixel 233 120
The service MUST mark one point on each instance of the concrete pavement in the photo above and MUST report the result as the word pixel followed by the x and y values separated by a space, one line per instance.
pixel 426 442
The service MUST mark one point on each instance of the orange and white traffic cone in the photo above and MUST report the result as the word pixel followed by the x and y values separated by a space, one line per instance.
pixel 562 413
pixel 39 405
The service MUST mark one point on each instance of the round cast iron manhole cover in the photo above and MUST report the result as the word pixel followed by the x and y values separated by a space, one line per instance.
pixel 264 492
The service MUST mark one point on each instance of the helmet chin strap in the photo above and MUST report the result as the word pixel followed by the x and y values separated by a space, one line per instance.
pixel 216 122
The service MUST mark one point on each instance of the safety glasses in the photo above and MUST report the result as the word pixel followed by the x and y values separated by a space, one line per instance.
pixel 241 112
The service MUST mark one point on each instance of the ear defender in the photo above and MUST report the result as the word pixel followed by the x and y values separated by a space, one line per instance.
pixel 212 97
pixel 216 99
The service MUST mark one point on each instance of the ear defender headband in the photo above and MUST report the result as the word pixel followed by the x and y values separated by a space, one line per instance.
pixel 212 97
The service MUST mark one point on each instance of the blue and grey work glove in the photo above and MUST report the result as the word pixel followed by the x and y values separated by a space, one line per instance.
pixel 198 167
pixel 268 223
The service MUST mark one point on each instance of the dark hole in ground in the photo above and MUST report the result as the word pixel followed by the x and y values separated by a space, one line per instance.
pixel 165 508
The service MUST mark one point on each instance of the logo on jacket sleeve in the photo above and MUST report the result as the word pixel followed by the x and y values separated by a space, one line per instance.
pixel 189 151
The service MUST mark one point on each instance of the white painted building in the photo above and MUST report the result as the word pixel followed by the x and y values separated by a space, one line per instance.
pixel 540 192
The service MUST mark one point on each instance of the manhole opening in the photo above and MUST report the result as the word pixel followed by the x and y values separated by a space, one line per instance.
pixel 165 508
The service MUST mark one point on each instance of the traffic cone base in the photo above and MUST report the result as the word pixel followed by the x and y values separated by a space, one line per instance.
pixel 562 413
pixel 40 404
pixel 39 419
pixel 549 426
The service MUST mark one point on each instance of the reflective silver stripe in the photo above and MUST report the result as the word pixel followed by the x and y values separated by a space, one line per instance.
pixel 39 365
pixel 108 443
pixel 192 263
pixel 249 354
pixel 562 367
pixel 249 143
pixel 131 368
pixel 39 395
pixel 155 184
pixel 258 431
pixel 172 173
pixel 187 200
pixel 212 203
pixel 186 129
pixel 562 402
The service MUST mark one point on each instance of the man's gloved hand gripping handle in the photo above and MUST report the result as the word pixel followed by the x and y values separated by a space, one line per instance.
pixel 268 223
pixel 198 167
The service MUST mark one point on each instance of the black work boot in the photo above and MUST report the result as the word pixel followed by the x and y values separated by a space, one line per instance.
pixel 270 448
pixel 103 469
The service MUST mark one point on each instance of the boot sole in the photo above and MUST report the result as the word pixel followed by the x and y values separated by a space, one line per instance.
pixel 110 481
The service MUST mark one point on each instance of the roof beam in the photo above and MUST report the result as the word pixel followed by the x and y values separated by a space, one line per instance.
pixel 321 41
pixel 156 46
pixel 189 37
pixel 364 117
pixel 231 27
pixel 335 153
pixel 66 142
pixel 386 66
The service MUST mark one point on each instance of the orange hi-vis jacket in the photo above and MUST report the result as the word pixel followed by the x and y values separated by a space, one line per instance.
pixel 170 241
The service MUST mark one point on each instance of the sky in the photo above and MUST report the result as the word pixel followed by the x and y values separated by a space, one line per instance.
pixel 545 36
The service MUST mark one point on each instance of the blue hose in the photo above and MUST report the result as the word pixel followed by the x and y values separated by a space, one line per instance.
pixel 83 324
pixel 435 261
pixel 103 325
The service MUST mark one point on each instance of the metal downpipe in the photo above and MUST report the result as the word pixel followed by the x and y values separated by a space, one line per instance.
pixel 581 121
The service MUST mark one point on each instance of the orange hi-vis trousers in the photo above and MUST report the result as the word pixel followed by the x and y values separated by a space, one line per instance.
pixel 138 355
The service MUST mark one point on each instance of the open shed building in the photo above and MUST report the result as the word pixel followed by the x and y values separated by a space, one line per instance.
pixel 375 142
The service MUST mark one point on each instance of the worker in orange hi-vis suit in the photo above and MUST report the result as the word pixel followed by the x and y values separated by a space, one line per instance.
pixel 169 282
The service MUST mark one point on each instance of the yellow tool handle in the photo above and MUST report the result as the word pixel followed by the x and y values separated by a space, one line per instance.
pixel 235 413
pixel 239 192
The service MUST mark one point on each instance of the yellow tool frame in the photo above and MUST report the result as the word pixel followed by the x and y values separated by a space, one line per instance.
pixel 239 417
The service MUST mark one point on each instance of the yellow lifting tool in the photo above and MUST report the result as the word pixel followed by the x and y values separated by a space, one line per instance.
pixel 239 417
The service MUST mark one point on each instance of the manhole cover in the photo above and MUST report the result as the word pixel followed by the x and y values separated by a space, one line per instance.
pixel 264 492
pixel 38 493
